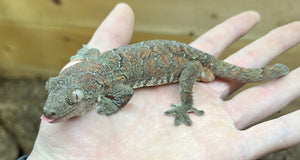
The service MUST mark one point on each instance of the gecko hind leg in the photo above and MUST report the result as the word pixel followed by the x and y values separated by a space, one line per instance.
pixel 187 81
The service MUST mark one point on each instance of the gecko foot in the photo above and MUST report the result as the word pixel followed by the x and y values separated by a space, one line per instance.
pixel 181 115
pixel 108 110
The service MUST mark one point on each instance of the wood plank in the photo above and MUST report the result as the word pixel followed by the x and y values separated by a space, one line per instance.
pixel 156 16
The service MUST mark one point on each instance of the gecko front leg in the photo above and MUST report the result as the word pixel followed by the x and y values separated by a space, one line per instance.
pixel 187 81
pixel 116 98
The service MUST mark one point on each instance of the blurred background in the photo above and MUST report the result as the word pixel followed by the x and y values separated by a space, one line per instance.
pixel 38 37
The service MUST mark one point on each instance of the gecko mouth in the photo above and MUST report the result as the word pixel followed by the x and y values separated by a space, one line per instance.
pixel 59 119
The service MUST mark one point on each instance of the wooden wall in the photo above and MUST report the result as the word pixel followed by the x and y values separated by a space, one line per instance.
pixel 38 37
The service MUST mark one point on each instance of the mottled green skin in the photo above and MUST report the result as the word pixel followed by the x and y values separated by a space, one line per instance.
pixel 108 79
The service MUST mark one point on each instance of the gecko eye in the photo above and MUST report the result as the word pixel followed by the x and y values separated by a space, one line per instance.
pixel 76 96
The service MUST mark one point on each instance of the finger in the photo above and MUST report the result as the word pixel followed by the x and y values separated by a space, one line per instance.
pixel 262 51
pixel 257 103
pixel 259 53
pixel 217 39
pixel 116 30
pixel 273 135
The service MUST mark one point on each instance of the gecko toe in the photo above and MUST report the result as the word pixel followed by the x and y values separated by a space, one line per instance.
pixel 170 112
pixel 186 120
pixel 178 120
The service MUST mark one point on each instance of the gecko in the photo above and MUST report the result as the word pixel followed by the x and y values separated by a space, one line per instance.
pixel 108 79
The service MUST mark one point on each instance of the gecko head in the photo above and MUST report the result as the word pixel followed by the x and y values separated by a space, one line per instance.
pixel 70 94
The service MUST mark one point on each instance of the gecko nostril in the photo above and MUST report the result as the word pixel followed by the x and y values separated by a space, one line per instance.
pixel 52 114
pixel 49 114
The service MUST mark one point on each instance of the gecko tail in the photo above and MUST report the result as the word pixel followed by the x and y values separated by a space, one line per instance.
pixel 246 75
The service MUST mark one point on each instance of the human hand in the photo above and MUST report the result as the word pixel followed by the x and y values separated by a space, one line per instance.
pixel 142 131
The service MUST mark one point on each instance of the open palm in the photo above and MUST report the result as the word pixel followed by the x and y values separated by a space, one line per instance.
pixel 142 131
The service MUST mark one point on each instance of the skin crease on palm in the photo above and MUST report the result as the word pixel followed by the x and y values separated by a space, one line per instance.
pixel 142 131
